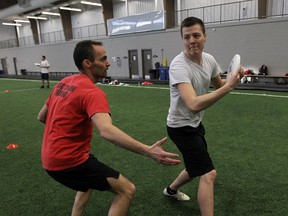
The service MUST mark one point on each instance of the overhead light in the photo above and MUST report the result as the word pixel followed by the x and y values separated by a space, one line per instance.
pixel 69 8
pixel 34 17
pixel 22 21
pixel 91 3
pixel 50 13
pixel 12 24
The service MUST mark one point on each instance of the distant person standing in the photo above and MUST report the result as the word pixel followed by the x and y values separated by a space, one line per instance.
pixel 44 65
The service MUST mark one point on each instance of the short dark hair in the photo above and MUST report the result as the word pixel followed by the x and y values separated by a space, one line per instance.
pixel 190 21
pixel 84 50
pixel 43 56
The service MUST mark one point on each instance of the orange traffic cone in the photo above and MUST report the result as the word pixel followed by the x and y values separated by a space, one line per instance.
pixel 12 146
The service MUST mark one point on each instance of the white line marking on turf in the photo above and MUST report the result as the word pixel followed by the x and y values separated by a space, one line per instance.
pixel 19 90
pixel 260 95
pixel 152 87
pixel 236 93
pixel 24 80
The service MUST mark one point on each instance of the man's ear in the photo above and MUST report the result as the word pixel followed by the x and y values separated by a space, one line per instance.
pixel 86 63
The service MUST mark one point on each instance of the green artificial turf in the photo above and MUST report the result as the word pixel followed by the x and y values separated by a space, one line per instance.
pixel 246 133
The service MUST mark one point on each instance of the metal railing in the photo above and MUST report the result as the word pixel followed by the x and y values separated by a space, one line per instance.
pixel 219 13
pixel 91 31
pixel 213 14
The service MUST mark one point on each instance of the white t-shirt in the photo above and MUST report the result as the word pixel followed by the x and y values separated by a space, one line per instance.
pixel 44 63
pixel 183 70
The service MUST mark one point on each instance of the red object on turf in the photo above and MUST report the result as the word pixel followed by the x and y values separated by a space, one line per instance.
pixel 12 146
pixel 147 83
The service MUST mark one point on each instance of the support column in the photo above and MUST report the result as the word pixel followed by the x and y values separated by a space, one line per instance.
pixel 169 7
pixel 262 9
pixel 67 24
pixel 33 25
pixel 17 37
pixel 107 11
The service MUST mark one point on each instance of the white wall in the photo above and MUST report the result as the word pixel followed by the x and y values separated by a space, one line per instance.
pixel 51 30
pixel 25 35
pixel 138 7
pixel 92 15
pixel 276 7
pixel 25 30
pixel 120 9
pixel 215 10
pixel 7 32
pixel 83 24
pixel 258 42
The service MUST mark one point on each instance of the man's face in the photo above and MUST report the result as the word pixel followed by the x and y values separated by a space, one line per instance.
pixel 194 39
pixel 100 64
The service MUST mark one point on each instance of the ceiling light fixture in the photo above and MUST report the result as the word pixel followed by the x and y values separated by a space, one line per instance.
pixel 50 13
pixel 22 21
pixel 91 3
pixel 34 17
pixel 11 24
pixel 71 9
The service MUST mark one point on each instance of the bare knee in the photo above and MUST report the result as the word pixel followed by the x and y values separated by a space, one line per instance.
pixel 130 190
pixel 122 187
pixel 209 177
pixel 213 174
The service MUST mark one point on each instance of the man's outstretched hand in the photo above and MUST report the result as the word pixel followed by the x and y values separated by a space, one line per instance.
pixel 157 153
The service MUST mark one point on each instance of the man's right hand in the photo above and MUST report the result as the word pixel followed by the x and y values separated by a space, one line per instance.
pixel 157 153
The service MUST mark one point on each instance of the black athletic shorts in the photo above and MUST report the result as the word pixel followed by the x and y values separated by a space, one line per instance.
pixel 91 174
pixel 45 76
pixel 192 144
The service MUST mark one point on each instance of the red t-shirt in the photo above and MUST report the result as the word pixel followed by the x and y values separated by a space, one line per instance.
pixel 68 128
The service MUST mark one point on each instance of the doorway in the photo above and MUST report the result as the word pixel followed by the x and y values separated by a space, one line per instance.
pixel 4 65
pixel 133 64
pixel 146 62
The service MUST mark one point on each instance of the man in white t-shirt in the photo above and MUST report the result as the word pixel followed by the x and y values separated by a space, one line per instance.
pixel 191 73
pixel 44 65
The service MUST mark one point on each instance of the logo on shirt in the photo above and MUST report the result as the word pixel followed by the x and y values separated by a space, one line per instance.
pixel 63 89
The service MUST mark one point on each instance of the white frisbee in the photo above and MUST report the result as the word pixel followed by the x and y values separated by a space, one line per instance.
pixel 37 64
pixel 234 64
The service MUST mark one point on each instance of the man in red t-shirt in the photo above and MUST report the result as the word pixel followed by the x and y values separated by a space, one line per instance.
pixel 73 107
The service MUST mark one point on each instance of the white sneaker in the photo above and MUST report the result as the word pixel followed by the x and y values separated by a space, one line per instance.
pixel 179 195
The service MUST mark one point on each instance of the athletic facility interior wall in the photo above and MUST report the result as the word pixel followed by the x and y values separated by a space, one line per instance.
pixel 258 42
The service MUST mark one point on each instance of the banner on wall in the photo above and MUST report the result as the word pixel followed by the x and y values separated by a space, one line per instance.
pixel 136 23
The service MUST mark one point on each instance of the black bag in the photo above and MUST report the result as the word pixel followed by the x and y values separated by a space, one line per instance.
pixel 263 70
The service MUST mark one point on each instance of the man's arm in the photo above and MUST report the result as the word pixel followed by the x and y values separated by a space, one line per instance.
pixel 217 82
pixel 108 131
pixel 198 103
pixel 47 65
pixel 43 114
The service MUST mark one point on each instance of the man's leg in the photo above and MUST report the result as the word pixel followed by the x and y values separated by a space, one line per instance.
pixel 206 193
pixel 124 191
pixel 172 190
pixel 182 179
pixel 81 199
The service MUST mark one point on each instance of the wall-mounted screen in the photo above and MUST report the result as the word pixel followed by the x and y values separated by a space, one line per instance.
pixel 136 23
